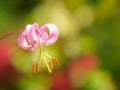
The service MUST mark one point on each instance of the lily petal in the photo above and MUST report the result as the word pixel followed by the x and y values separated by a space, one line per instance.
pixel 28 40
pixel 52 36
pixel 31 30
pixel 32 36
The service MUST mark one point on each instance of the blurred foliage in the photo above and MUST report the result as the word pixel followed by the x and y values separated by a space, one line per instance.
pixel 85 26
pixel 99 81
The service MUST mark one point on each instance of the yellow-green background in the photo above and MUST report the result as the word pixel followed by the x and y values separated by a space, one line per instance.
pixel 85 27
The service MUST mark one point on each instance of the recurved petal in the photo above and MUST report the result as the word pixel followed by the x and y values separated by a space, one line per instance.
pixel 51 35
pixel 32 31
pixel 25 43
pixel 30 27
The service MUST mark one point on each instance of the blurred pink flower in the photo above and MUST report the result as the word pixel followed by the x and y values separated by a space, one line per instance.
pixel 32 36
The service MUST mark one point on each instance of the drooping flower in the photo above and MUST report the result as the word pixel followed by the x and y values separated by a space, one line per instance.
pixel 28 40
pixel 34 37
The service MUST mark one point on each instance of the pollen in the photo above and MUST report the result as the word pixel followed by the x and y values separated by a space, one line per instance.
pixel 35 68
pixel 55 61
pixel 42 63
pixel 51 65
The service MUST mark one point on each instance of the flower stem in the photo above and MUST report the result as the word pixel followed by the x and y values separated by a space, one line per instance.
pixel 8 34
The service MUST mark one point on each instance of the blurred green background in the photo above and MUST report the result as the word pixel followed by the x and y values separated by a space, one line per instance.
pixel 87 48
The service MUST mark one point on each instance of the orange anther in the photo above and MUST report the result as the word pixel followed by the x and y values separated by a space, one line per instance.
pixel 33 68
pixel 37 68
pixel 55 61
pixel 42 63
pixel 51 65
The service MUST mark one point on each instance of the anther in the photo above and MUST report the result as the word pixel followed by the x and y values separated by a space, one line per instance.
pixel 55 61
pixel 42 63
pixel 51 65
pixel 33 68
pixel 37 68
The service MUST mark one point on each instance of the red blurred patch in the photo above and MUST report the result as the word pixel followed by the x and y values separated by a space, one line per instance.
pixel 60 81
pixel 5 53
pixel 86 62
pixel 89 61
pixel 8 73
pixel 79 69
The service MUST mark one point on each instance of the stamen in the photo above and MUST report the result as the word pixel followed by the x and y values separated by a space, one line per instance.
pixel 37 68
pixel 55 61
pixel 33 68
pixel 51 65
pixel 47 55
pixel 44 60
pixel 50 71
pixel 42 63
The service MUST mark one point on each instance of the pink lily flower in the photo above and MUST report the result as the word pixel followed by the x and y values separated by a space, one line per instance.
pixel 48 37
pixel 34 37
